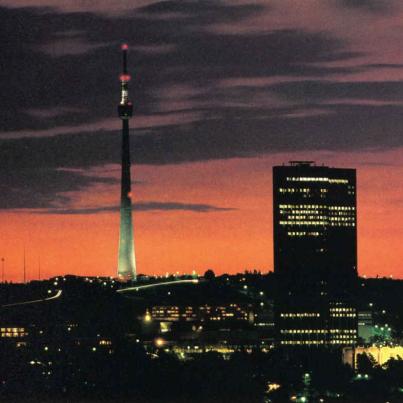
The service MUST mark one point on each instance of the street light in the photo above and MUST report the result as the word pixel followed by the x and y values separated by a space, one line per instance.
pixel 147 317
pixel 2 269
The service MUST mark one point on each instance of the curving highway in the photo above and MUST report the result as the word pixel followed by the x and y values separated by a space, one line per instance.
pixel 35 301
pixel 142 287
pixel 122 290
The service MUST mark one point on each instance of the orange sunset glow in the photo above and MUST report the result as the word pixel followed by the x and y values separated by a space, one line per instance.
pixel 220 97
pixel 228 241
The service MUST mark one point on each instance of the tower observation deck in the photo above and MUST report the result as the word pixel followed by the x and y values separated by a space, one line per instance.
pixel 126 259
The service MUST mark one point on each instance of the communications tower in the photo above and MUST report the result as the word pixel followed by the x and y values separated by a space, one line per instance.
pixel 127 260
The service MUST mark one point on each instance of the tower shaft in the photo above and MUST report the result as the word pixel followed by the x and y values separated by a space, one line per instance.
pixel 126 259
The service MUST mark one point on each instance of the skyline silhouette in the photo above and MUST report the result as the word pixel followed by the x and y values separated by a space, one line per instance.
pixel 222 93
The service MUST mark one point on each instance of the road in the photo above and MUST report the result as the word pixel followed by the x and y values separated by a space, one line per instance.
pixel 122 290
pixel 35 301
pixel 142 287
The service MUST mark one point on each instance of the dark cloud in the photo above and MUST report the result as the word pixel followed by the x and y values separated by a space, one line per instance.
pixel 231 132
pixel 81 69
pixel 200 13
pixel 42 187
pixel 141 206
pixel 373 6
pixel 70 62
pixel 62 70
pixel 31 174
pixel 240 133
pixel 309 91
pixel 384 65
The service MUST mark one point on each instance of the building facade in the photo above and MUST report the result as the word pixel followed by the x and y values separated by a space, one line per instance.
pixel 203 313
pixel 315 254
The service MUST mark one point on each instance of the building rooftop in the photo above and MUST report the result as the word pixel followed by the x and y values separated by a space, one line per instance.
pixel 302 163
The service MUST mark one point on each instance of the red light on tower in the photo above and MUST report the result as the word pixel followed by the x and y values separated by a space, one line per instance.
pixel 125 46
pixel 125 77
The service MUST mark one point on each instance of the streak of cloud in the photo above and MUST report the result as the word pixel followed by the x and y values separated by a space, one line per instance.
pixel 144 206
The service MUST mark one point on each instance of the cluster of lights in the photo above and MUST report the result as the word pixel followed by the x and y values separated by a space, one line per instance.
pixel 319 215
pixel 272 386
pixel 181 352
pixel 105 342
pixel 344 224
pixel 310 207
pixel 288 190
pixel 265 324
pixel 342 336
pixel 223 349
pixel 338 341
pixel 316 342
pixel 300 315
pixel 311 215
pixel 295 222
pixel 299 216
pixel 384 328
pixel 342 208
pixel 342 309
pixel 304 331
pixel 303 233
pixel 301 342
pixel 13 332
pixel 304 191
pixel 337 218
pixel 316 179
pixel 306 179
pixel 339 181
pixel 175 313
pixel 343 315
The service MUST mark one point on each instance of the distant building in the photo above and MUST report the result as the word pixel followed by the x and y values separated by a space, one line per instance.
pixel 202 313
pixel 315 254
pixel 366 329
pixel 219 325
pixel 380 354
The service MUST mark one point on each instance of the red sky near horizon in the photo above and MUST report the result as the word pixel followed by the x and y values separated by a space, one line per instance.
pixel 268 81
pixel 226 241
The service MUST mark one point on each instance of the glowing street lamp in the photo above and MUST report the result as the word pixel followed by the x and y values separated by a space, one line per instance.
pixel 147 317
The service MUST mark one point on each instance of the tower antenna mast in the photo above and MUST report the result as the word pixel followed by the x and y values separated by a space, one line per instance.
pixel 126 258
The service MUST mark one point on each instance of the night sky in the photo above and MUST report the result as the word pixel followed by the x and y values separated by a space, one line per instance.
pixel 222 91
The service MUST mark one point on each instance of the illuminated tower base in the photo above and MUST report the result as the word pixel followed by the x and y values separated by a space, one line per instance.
pixel 126 261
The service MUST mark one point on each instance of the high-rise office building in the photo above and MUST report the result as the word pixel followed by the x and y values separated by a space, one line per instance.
pixel 315 254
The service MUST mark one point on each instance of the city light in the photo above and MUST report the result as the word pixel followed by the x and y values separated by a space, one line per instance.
pixel 233 233
pixel 147 317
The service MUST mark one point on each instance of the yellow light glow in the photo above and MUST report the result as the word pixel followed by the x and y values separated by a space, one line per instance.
pixel 159 342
